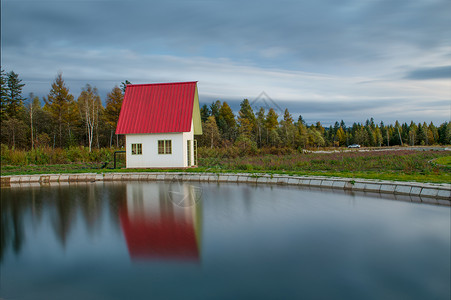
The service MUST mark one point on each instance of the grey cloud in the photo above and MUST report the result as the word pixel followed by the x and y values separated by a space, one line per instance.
pixel 430 73
pixel 312 32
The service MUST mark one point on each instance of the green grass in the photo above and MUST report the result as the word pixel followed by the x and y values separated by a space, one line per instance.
pixel 404 165
pixel 444 161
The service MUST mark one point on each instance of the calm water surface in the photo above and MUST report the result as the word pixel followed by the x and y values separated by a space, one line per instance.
pixel 227 241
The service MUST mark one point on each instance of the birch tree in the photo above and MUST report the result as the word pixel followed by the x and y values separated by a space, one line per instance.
pixel 89 106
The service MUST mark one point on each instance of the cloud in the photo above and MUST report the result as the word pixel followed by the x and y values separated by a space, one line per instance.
pixel 430 73
pixel 327 59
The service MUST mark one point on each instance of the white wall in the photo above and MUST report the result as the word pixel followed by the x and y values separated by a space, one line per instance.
pixel 150 157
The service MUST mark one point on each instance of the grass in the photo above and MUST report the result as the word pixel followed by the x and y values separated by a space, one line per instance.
pixel 443 161
pixel 401 165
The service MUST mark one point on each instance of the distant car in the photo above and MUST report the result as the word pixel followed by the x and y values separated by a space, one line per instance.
pixel 354 146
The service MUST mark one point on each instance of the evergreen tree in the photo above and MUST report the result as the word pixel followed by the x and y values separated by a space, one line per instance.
pixel 271 124
pixel 246 113
pixel 210 136
pixel 301 120
pixel 288 129
pixel 204 113
pixel 444 132
pixel 114 101
pixel 14 99
pixel 3 95
pixel 58 104
pixel 227 123
pixel 214 108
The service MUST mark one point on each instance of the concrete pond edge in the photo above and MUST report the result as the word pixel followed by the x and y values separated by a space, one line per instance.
pixel 429 190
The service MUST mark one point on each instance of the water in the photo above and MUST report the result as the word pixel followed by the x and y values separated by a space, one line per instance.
pixel 226 241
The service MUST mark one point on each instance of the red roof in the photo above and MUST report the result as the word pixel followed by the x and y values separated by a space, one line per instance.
pixel 157 108
pixel 166 237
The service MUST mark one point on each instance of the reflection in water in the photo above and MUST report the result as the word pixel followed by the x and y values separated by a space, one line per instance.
pixel 75 241
pixel 61 205
pixel 162 221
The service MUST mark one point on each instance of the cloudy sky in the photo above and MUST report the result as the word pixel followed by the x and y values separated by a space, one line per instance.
pixel 325 59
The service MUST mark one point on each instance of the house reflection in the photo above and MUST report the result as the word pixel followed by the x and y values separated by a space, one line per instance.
pixel 162 221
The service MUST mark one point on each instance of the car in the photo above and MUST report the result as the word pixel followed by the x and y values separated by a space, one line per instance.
pixel 354 146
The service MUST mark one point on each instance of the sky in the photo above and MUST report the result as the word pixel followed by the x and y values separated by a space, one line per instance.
pixel 328 60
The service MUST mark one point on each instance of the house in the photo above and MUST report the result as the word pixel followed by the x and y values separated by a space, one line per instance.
pixel 159 122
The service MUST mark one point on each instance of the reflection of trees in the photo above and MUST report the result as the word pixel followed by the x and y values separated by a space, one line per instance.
pixel 11 222
pixel 91 208
pixel 63 214
pixel 58 203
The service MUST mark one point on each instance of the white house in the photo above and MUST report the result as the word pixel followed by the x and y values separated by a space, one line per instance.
pixel 159 122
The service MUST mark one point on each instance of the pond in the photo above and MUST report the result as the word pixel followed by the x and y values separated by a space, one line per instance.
pixel 157 240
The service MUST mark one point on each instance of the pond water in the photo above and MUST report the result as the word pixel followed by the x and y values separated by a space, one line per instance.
pixel 219 241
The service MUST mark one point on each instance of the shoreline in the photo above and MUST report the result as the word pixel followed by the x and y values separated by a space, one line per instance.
pixel 429 190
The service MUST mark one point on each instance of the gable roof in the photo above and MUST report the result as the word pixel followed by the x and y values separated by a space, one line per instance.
pixel 160 108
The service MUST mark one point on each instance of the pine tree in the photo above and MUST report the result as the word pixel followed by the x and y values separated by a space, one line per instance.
pixel 14 99
pixel 271 125
pixel 288 129
pixel 58 103
pixel 227 123
pixel 210 136
pixel 247 113
pixel 204 113
pixel 214 109
pixel 3 95
pixel 114 101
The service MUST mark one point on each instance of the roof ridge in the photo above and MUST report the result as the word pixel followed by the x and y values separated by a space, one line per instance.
pixel 162 83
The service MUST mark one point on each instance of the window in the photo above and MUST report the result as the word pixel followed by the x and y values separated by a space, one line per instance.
pixel 164 147
pixel 137 149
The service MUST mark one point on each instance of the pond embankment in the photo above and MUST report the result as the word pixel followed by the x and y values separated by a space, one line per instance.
pixel 442 192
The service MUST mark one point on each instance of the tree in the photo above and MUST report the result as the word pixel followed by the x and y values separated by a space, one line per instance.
pixel 210 132
pixel 271 125
pixel 3 95
pixel 114 101
pixel 58 103
pixel 288 129
pixel 444 132
pixel 15 131
pixel 341 136
pixel 14 99
pixel 302 134
pixel 204 113
pixel 214 109
pixel 89 105
pixel 315 137
pixel 246 113
pixel 227 123
pixel 260 120
pixel 32 108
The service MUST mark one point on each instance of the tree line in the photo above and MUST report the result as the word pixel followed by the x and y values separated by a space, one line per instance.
pixel 65 121
pixel 250 130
